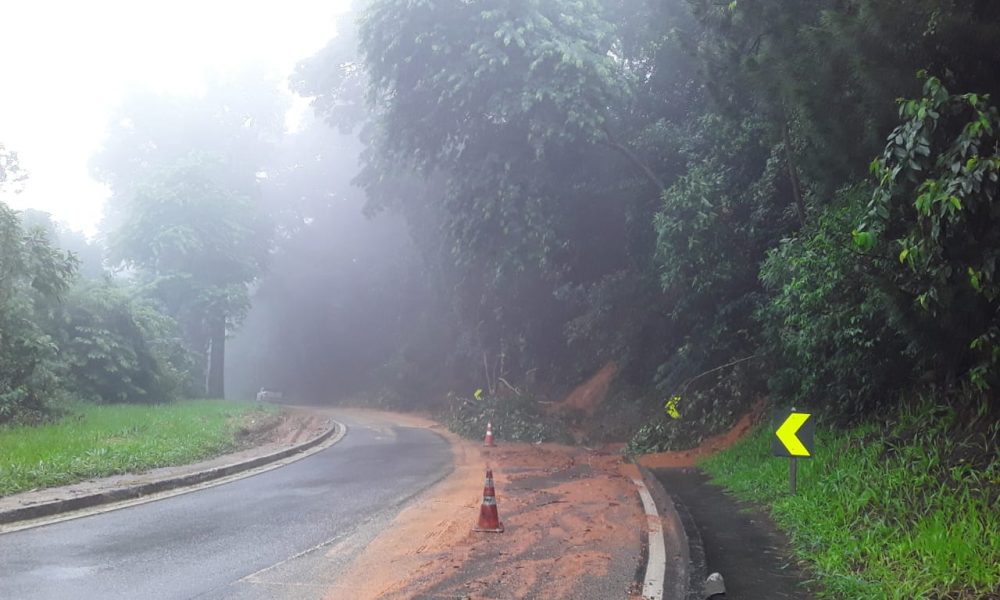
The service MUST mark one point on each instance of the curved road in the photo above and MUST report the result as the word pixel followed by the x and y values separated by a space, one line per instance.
pixel 251 538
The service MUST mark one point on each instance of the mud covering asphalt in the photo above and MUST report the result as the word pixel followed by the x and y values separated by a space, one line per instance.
pixel 573 531
pixel 739 541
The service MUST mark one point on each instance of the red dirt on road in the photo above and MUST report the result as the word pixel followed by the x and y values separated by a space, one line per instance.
pixel 569 514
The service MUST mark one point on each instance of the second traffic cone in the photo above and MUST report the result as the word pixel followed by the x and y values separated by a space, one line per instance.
pixel 489 435
pixel 489 519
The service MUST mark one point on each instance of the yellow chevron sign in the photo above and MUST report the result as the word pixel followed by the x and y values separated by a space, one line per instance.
pixel 793 436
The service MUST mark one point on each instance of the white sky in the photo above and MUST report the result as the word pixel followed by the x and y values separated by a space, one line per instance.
pixel 65 65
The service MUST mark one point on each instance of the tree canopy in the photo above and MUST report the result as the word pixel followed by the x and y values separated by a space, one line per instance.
pixel 674 186
pixel 186 214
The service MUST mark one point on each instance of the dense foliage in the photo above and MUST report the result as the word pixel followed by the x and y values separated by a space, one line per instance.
pixel 674 186
pixel 64 336
pixel 514 419
pixel 685 188
pixel 186 215
pixel 33 275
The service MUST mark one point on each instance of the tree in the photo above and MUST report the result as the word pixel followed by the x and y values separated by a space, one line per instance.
pixel 197 245
pixel 505 134
pixel 936 208
pixel 117 347
pixel 661 183
pixel 186 210
pixel 89 253
pixel 238 119
pixel 10 168
pixel 33 276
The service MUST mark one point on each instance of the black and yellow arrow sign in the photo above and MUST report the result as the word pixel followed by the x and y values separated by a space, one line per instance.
pixel 793 435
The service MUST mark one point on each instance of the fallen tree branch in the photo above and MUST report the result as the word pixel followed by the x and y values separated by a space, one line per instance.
pixel 512 388
pixel 685 385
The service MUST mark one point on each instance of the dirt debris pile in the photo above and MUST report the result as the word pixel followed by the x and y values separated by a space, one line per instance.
pixel 572 524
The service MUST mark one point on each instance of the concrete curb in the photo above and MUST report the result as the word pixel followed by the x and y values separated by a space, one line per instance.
pixel 47 509
pixel 678 572
pixel 656 554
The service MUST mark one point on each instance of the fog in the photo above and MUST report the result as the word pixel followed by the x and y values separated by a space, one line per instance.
pixel 70 64
pixel 423 199
pixel 327 315
pixel 634 225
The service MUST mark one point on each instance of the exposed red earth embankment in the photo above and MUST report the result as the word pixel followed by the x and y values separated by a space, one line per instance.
pixel 716 443
pixel 588 396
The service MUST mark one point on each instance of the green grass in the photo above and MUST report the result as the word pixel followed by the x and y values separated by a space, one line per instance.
pixel 95 441
pixel 904 511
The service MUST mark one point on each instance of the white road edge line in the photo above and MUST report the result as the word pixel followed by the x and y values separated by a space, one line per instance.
pixel 656 565
pixel 103 508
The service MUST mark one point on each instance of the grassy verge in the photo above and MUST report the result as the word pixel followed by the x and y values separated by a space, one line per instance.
pixel 905 510
pixel 95 441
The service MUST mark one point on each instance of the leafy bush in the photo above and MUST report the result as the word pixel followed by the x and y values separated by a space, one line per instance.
pixel 712 407
pixel 934 216
pixel 514 418
pixel 827 327
pixel 33 274
pixel 714 227
pixel 63 337
pixel 119 348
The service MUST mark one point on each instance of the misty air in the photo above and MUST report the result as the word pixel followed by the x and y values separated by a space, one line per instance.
pixel 500 299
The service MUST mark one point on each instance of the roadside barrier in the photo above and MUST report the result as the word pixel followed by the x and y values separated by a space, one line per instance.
pixel 489 518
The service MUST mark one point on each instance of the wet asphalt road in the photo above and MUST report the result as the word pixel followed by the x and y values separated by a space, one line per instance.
pixel 200 545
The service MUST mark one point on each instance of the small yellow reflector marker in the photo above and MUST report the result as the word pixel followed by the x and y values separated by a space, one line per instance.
pixel 671 407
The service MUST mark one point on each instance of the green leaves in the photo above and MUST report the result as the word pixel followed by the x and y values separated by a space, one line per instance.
pixel 198 241
pixel 119 348
pixel 33 276
pixel 938 194
pixel 865 241
pixel 827 329
pixel 975 280
pixel 541 69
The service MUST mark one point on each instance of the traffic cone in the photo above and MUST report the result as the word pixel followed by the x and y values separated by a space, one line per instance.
pixel 489 519
pixel 489 435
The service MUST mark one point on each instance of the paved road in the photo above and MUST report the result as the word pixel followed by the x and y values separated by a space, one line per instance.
pixel 211 543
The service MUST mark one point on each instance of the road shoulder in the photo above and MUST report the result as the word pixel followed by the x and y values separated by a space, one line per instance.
pixel 738 540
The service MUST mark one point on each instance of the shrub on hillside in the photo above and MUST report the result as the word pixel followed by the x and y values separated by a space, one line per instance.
pixel 710 408
pixel 829 332
pixel 514 419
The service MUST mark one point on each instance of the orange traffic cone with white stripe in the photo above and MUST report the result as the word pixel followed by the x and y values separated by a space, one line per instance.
pixel 489 519
pixel 488 442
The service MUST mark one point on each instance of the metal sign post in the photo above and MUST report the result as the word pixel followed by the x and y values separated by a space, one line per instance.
pixel 793 438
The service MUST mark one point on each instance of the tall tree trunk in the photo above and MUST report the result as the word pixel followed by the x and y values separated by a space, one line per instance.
pixel 793 176
pixel 216 358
